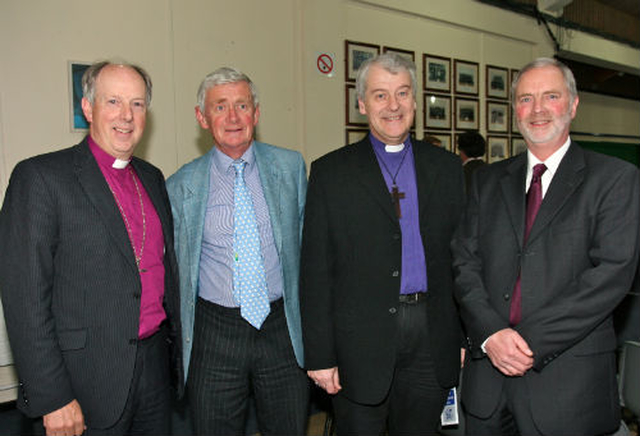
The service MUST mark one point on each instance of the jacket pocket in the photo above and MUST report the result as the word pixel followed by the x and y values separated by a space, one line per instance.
pixel 72 339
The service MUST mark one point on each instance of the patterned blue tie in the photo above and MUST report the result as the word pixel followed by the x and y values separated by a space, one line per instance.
pixel 249 279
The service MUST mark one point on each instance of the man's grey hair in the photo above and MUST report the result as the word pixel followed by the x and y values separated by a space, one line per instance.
pixel 391 62
pixel 569 80
pixel 222 76
pixel 90 77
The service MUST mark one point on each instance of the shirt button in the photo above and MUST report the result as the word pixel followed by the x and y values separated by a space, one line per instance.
pixel 393 310
pixel 136 295
pixel 396 236
pixel 506 297
pixel 395 274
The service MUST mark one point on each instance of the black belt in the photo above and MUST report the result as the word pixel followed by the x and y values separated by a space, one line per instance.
pixel 413 298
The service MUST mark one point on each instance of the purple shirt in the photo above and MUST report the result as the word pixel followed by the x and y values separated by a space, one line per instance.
pixel 414 267
pixel 121 182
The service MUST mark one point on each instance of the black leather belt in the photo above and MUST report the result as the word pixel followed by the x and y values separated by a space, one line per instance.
pixel 413 298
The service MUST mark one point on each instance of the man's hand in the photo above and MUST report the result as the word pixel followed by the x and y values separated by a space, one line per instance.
pixel 328 379
pixel 462 354
pixel 66 421
pixel 509 352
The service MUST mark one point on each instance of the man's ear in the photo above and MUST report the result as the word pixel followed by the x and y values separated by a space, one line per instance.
pixel 202 120
pixel 87 109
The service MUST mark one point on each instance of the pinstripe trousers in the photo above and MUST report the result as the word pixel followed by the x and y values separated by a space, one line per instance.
pixel 231 361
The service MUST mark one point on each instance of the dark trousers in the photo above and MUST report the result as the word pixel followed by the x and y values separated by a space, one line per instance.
pixel 231 360
pixel 148 407
pixel 415 399
pixel 512 416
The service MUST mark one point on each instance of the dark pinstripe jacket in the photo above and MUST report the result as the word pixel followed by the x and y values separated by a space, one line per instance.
pixel 70 286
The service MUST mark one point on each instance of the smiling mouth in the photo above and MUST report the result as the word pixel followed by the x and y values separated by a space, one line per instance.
pixel 120 130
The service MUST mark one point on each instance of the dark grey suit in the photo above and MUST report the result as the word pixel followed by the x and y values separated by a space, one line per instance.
pixel 70 285
pixel 577 265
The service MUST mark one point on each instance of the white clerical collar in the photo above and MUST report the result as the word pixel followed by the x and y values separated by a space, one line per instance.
pixel 394 148
pixel 120 164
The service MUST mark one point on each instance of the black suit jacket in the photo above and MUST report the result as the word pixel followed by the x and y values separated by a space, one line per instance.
pixel 70 286
pixel 577 265
pixel 351 263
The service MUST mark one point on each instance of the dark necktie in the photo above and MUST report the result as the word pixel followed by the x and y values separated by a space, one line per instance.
pixel 534 199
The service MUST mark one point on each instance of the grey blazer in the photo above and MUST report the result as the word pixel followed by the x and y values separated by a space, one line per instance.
pixel 284 183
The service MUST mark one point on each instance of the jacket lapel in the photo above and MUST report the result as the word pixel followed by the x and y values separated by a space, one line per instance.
pixel 97 190
pixel 568 177
pixel 154 192
pixel 269 171
pixel 513 194
pixel 193 211
pixel 370 176
pixel 426 175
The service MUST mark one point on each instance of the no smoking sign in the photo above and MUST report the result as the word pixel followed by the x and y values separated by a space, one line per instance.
pixel 325 64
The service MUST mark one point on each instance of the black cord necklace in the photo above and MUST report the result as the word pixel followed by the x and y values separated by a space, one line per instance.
pixel 396 195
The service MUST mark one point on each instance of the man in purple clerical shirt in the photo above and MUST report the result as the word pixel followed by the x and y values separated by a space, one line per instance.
pixel 88 272
pixel 380 327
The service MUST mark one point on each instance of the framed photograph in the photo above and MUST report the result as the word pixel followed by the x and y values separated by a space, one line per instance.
pixel 513 74
pixel 355 135
pixel 352 111
pixel 436 73
pixel 466 77
pixel 408 54
pixel 518 145
pixel 437 111
pixel 77 121
pixel 467 114
pixel 497 117
pixel 355 54
pixel 514 120
pixel 497 148
pixel 497 82
pixel 438 139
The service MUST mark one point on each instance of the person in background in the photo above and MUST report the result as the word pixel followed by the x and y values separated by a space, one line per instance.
pixel 472 148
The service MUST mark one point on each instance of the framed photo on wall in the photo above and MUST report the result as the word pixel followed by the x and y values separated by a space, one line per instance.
pixel 466 77
pixel 497 117
pixel 438 139
pixel 467 114
pixel 355 135
pixel 497 82
pixel 352 111
pixel 408 54
pixel 514 120
pixel 77 121
pixel 497 148
pixel 518 145
pixel 437 111
pixel 355 54
pixel 436 72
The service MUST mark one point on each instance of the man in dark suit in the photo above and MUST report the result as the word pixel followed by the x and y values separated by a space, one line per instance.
pixel 88 272
pixel 472 149
pixel 547 249
pixel 380 326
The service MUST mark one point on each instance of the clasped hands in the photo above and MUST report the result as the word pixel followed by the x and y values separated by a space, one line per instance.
pixel 509 352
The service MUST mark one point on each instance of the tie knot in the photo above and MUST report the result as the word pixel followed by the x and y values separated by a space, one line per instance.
pixel 538 170
pixel 239 165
